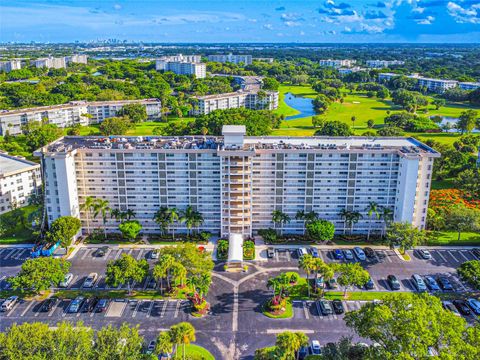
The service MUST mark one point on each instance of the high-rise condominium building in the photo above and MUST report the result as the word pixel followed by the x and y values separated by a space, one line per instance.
pixel 337 63
pixel 183 68
pixel 181 58
pixel 75 112
pixel 236 181
pixel 50 62
pixel 235 59
pixel 19 179
pixel 77 58
pixel 254 99
pixel 10 65
pixel 378 64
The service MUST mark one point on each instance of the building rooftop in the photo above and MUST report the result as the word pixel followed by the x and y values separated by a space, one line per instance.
pixel 11 164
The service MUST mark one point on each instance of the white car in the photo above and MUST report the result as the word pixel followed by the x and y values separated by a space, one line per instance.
pixel 359 253
pixel 302 252
pixel 154 254
pixel 66 281
pixel 90 280
pixel 315 348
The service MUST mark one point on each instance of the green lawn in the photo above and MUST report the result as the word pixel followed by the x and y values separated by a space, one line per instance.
pixel 194 352
pixel 20 234
pixel 450 238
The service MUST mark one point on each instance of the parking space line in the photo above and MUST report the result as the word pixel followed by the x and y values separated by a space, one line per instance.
pixel 19 254
pixel 177 308
pixel 108 308
pixel 3 250
pixel 288 255
pixel 27 308
pixel 10 253
pixel 136 308
pixel 462 252
pixel 130 252
pixel 118 254
pixel 387 256
pixel 276 256
pixel 450 253
pixel 305 310
pixel 13 309
pixel 162 314
pixel 54 307
pixel 86 253
pixel 441 255
pixel 140 254
pixel 150 308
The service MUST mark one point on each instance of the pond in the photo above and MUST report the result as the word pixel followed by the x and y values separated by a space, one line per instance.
pixel 302 104
pixel 450 122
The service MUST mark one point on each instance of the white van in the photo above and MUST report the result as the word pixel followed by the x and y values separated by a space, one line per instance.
pixel 9 303
pixel 302 251
pixel 66 281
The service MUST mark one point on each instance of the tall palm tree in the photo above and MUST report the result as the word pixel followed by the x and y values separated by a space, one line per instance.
pixel 101 207
pixel 182 334
pixel 130 214
pixel 87 206
pixel 306 263
pixel 354 218
pixel 179 273
pixel 345 215
pixel 173 215
pixel 311 216
pixel 324 270
pixel 279 217
pixel 115 214
pixel 288 344
pixel 164 343
pixel 372 209
pixel 387 216
pixel 161 218
pixel 162 269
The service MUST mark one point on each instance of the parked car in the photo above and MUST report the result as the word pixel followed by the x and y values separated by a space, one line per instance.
pixel 325 307
pixel 393 282
pixel 444 283
pixel 76 304
pixel 303 352
pixel 301 252
pixel 332 284
pixel 9 303
pixel 476 252
pixel 270 252
pixel 315 348
pixel 419 283
pixel 474 305
pixel 90 280
pixel 431 283
pixel 338 254
pixel 448 305
pixel 369 285
pixel 48 304
pixel 369 252
pixel 90 304
pixel 424 254
pixel 314 252
pixel 150 347
pixel 348 254
pixel 359 253
pixel 154 254
pixel 102 305
pixel 338 306
pixel 462 306
pixel 319 282
pixel 100 252
pixel 66 281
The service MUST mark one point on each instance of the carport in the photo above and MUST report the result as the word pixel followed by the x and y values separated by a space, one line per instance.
pixel 235 252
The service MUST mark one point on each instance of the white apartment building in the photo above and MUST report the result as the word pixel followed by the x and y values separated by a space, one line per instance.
pixel 10 65
pixel 19 179
pixel 437 85
pixel 469 85
pixel 77 58
pixel 181 58
pixel 345 71
pixel 230 58
pixel 337 63
pixel 183 68
pixel 236 181
pixel 75 112
pixel 378 64
pixel 50 62
pixel 268 100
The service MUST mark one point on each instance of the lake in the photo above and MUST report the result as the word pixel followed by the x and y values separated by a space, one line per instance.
pixel 299 103
pixel 451 121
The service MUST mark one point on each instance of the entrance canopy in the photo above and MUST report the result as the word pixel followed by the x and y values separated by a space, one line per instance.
pixel 235 248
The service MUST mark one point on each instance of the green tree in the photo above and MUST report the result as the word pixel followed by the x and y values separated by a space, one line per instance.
pixel 370 124
pixel 469 181
pixel 462 218
pixel 126 270
pixel 372 209
pixel 193 259
pixel 87 207
pixel 122 343
pixel 134 112
pixel 172 216
pixel 100 207
pixel 34 339
pixel 115 126
pixel 162 269
pixel 350 218
pixel 38 134
pixel 182 334
pixel 40 273
pixel 320 230
pixel 307 264
pixel 164 343
pixel 64 229
pixel 334 128
pixel 279 217
pixel 386 214
pixel 405 325
pixel 191 218
pixel 289 343
pixel 469 271
pixel 130 229
pixel 404 236
pixel 438 103
pixel 161 218
pixel 351 274
pixel 270 83
pixel 467 121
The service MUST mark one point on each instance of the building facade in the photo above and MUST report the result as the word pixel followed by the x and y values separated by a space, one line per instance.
pixel 433 85
pixel 337 63
pixel 77 59
pixel 10 65
pixel 50 63
pixel 181 58
pixel 378 64
pixel 19 179
pixel 255 99
pixel 236 182
pixel 230 58
pixel 183 68
pixel 469 85
pixel 75 112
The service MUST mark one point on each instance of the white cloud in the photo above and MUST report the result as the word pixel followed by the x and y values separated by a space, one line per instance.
pixel 302 33
pixel 426 21
pixel 418 10
pixel 117 6
pixel 291 23
pixel 464 15
pixel 268 26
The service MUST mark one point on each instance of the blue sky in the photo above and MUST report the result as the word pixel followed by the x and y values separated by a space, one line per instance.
pixel 241 20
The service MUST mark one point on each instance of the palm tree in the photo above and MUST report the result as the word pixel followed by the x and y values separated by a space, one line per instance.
pixel 345 215
pixel 303 340
pixel 191 218
pixel 387 216
pixel 130 214
pixel 173 215
pixel 179 273
pixel 353 118
pixel 162 269
pixel 372 209
pixel 161 218
pixel 87 206
pixel 355 217
pixel 182 334
pixel 306 263
pixel 311 216
pixel 164 343
pixel 115 214
pixel 279 217
pixel 324 270
pixel 300 215
pixel 101 207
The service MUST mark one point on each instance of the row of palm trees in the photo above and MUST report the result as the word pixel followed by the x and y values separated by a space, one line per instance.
pixel 165 217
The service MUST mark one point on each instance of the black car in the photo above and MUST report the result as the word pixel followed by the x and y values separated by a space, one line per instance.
pixel 100 252
pixel 303 352
pixel 462 306
pixel 48 304
pixel 90 304
pixel 338 307
pixel 369 252
pixel 444 283
pixel 102 305
pixel 369 285
pixel 393 282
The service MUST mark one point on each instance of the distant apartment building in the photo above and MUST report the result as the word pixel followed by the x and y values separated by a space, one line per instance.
pixel 236 181
pixel 75 112
pixel 469 85
pixel 378 64
pixel 19 179
pixel 50 63
pixel 269 60
pixel 230 58
pixel 255 99
pixel 10 65
pixel 345 71
pixel 337 63
pixel 77 59
pixel 183 68
pixel 181 58
pixel 433 85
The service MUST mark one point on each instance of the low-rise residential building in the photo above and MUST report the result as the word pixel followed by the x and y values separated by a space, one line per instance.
pixel 50 62
pixel 19 179
pixel 436 85
pixel 77 58
pixel 337 63
pixel 345 71
pixel 10 65
pixel 378 64
pixel 183 68
pixel 469 85
pixel 254 99
pixel 75 112
pixel 230 58
pixel 236 181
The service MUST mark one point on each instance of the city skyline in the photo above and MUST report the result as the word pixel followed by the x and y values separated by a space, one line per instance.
pixel 410 21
